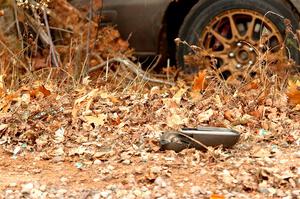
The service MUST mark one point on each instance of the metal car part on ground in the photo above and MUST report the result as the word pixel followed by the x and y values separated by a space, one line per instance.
pixel 199 138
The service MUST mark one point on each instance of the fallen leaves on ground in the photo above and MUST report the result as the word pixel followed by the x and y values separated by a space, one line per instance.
pixel 116 134
pixel 199 81
pixel 293 92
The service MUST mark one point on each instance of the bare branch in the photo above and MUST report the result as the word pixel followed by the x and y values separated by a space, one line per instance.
pixel 133 68
pixel 52 47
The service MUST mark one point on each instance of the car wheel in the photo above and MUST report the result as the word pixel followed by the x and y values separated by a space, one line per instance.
pixel 238 34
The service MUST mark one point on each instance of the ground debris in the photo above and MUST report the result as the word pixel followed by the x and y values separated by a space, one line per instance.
pixel 113 137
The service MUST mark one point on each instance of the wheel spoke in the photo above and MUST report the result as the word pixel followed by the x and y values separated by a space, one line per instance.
pixel 227 67
pixel 220 38
pixel 234 30
pixel 220 54
pixel 250 30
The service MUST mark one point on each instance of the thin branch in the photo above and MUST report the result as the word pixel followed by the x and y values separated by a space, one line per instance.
pixel 88 37
pixel 36 25
pixel 152 66
pixel 52 47
pixel 17 23
pixel 133 68
pixel 194 140
pixel 14 56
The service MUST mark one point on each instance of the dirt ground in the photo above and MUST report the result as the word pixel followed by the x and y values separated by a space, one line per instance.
pixel 27 176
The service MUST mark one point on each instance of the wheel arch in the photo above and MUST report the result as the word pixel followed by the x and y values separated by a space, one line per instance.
pixel 171 23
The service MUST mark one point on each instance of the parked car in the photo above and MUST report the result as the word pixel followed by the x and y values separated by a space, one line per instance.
pixel 234 32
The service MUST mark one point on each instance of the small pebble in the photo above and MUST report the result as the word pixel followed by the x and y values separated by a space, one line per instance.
pixel 126 162
pixel 105 194
pixel 138 193
pixel 296 193
pixel 156 169
pixel 160 182
pixel 43 188
pixel 26 188
pixel 64 179
pixel 13 184
pixel 97 162
pixel 96 196
pixel 297 154
pixel 196 190
pixel 8 191
pixel 61 191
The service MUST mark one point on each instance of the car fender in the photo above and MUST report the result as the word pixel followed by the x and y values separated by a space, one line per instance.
pixel 139 21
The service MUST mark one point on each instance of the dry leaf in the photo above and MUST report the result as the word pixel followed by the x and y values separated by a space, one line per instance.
pixel 229 116
pixel 205 117
pixel 114 100
pixel 96 120
pixel 252 85
pixel 258 152
pixel 86 81
pixel 258 113
pixel 78 101
pixel 6 102
pixel 43 90
pixel 39 62
pixel 3 126
pixel 199 81
pixel 175 120
pixel 178 96
pixel 216 196
pixel 293 92
pixel 40 90
pixel 196 96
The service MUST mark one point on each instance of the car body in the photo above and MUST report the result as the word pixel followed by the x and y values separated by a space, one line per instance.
pixel 145 22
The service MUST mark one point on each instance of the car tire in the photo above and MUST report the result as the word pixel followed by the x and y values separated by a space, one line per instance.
pixel 205 11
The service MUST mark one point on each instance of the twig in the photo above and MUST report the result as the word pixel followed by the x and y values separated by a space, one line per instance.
pixel 98 22
pixel 168 69
pixel 96 55
pixel 106 70
pixel 151 67
pixel 88 37
pixel 133 68
pixel 61 29
pixel 36 25
pixel 52 47
pixel 14 56
pixel 17 24
pixel 194 140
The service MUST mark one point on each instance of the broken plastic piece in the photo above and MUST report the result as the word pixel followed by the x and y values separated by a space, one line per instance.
pixel 199 138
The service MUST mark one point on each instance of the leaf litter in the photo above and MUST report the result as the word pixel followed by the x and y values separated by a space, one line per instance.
pixel 81 127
